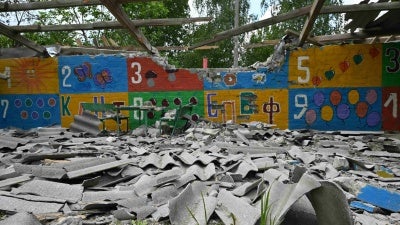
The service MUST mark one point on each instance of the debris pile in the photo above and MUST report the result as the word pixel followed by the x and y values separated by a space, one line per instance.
pixel 212 174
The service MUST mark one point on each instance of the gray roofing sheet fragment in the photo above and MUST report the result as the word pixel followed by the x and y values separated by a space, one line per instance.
pixel 19 205
pixel 71 193
pixel 145 185
pixel 193 202
pixel 8 141
pixel 158 161
pixel 14 180
pixel 30 197
pixel 98 168
pixel 234 210
pixel 202 173
pixel 283 196
pixel 163 194
pixel 330 204
pixel 50 172
pixel 21 218
pixel 113 195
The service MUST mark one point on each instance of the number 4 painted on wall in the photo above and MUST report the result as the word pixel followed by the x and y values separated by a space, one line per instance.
pixel 392 98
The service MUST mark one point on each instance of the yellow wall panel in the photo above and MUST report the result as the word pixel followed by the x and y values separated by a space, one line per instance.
pixel 29 76
pixel 246 105
pixel 336 66
pixel 70 105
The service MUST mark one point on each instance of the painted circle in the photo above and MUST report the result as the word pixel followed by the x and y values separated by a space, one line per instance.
pixel 371 96
pixel 373 119
pixel 230 79
pixel 327 113
pixel 150 82
pixel 195 117
pixel 51 102
pixel 353 96
pixel 311 116
pixel 193 100
pixel 28 102
pixel 343 111
pixel 153 101
pixel 46 115
pixel 177 101
pixel 18 103
pixel 24 114
pixel 40 102
pixel 361 109
pixel 319 98
pixel 150 115
pixel 335 97
pixel 165 103
pixel 35 115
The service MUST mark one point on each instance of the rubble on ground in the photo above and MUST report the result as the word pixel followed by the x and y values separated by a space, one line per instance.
pixel 211 174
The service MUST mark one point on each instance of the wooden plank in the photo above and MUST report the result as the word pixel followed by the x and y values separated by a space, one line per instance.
pixel 315 8
pixel 123 18
pixel 6 31
pixel 14 7
pixel 309 39
pixel 294 14
pixel 108 24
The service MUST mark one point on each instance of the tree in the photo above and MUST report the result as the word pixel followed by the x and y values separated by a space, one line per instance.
pixel 324 24
pixel 223 14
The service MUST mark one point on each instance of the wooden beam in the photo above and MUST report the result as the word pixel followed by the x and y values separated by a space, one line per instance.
pixel 123 18
pixel 314 11
pixel 14 7
pixel 108 25
pixel 309 39
pixel 294 14
pixel 356 36
pixel 6 31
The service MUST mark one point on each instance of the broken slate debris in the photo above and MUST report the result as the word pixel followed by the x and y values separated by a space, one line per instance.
pixel 211 173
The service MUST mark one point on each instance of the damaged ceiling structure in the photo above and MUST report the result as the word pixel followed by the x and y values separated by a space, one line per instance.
pixel 211 174
pixel 365 24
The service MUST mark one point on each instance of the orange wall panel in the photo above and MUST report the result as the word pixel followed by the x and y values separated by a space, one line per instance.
pixel 29 76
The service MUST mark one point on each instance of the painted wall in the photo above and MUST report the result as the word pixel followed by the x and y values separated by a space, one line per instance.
pixel 344 87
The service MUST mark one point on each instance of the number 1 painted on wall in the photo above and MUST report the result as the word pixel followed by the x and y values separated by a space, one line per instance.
pixel 392 98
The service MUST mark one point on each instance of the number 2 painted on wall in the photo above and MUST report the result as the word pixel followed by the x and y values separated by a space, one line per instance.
pixel 4 102
pixel 137 68
pixel 300 66
pixel 66 72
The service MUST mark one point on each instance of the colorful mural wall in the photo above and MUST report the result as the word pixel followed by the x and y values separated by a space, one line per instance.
pixel 343 87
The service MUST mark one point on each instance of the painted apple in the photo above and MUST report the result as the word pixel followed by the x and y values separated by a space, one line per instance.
pixel 358 58
pixel 329 74
pixel 374 52
pixel 316 80
pixel 344 65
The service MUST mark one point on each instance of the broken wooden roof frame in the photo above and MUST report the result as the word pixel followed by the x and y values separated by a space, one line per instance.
pixel 383 29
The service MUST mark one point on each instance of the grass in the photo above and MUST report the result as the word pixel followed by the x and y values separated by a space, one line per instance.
pixel 204 207
pixel 266 210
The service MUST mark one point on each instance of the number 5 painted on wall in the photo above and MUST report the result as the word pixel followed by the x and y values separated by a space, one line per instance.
pixel 300 60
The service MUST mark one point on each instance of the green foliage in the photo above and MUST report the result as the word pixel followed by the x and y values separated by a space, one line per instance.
pixel 266 210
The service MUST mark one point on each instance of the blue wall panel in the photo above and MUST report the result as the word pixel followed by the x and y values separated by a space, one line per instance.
pixel 335 109
pixel 256 79
pixel 29 111
pixel 85 74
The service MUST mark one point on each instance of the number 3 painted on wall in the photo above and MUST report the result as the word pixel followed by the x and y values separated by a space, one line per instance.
pixel 137 71
pixel 300 59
